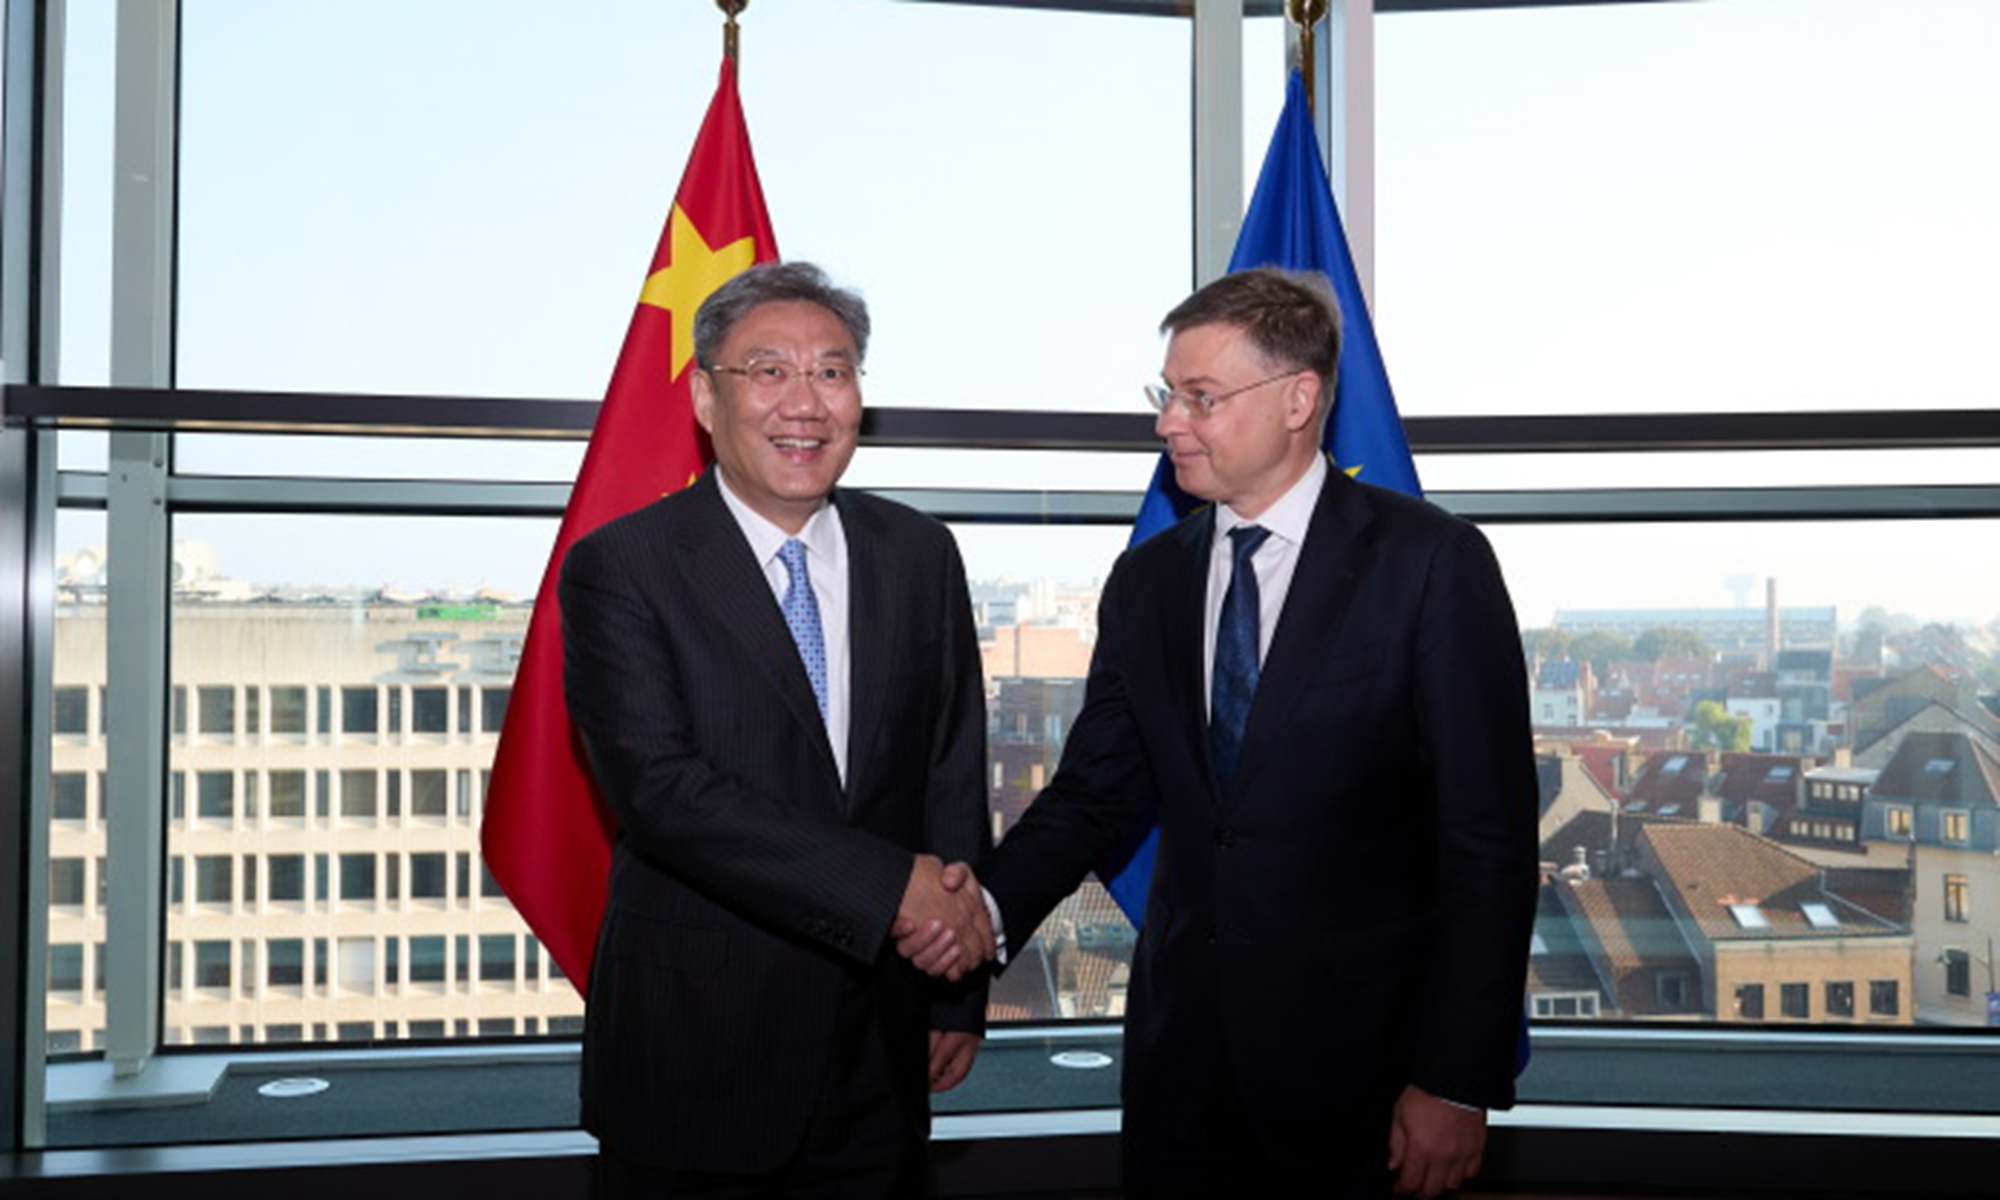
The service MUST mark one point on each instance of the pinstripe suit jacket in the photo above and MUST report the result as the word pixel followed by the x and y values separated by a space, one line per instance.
pixel 749 888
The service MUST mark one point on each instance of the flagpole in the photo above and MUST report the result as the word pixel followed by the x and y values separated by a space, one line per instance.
pixel 1305 14
pixel 729 9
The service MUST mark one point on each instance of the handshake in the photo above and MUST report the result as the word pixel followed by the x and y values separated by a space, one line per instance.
pixel 942 927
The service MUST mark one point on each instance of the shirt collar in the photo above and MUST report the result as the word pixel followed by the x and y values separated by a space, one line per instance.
pixel 1289 516
pixel 821 532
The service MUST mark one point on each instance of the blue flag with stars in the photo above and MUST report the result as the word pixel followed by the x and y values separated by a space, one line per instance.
pixel 1292 223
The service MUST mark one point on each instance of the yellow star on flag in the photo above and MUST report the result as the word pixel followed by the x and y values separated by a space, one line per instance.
pixel 695 270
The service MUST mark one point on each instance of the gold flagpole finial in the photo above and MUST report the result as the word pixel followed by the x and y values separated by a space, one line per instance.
pixel 1306 14
pixel 729 9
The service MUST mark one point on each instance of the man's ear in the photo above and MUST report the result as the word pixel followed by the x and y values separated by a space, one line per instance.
pixel 701 387
pixel 1302 400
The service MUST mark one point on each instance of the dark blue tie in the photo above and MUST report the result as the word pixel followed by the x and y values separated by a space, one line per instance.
pixel 1235 681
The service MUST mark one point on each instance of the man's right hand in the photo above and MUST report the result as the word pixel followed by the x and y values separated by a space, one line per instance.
pixel 942 926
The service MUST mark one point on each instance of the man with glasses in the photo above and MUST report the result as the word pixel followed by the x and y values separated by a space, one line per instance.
pixel 1315 688
pixel 778 687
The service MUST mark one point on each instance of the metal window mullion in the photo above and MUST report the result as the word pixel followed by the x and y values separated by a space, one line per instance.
pixel 137 570
pixel 1346 120
pixel 135 745
pixel 1218 134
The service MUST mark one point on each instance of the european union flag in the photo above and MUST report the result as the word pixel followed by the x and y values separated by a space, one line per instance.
pixel 1292 223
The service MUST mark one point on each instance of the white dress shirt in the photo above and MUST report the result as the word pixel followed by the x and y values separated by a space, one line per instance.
pixel 1275 562
pixel 826 562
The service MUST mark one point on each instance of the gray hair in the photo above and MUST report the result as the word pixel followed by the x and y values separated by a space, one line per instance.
pixel 767 283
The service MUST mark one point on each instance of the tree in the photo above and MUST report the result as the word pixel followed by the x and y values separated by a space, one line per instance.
pixel 1670 642
pixel 1599 649
pixel 1716 729
pixel 1547 644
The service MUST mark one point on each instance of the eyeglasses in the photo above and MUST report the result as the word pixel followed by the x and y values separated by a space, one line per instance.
pixel 1200 404
pixel 774 374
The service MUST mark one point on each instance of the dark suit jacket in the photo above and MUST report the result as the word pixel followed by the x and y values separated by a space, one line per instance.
pixel 751 894
pixel 1354 914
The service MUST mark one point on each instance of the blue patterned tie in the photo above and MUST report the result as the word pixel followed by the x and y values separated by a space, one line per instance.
pixel 1235 681
pixel 802 616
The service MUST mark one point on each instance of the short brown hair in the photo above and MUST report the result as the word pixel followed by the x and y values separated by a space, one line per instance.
pixel 1291 317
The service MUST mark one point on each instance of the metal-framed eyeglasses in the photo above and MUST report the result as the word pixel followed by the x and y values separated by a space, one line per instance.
pixel 774 374
pixel 1200 404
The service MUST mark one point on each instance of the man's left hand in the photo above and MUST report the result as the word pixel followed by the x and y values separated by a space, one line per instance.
pixel 951 1058
pixel 1434 1145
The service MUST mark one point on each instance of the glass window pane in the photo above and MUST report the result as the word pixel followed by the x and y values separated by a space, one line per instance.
pixel 288 794
pixel 218 710
pixel 286 876
pixel 288 710
pixel 418 175
pixel 1533 247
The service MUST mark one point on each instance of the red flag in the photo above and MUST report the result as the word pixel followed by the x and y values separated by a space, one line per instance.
pixel 546 834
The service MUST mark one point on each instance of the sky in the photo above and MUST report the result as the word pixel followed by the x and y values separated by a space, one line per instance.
pixel 1683 208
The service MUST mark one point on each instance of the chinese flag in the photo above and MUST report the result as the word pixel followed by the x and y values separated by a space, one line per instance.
pixel 546 834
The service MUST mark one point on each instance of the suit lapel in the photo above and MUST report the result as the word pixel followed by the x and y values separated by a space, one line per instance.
pixel 1183 603
pixel 735 595
pixel 873 576
pixel 1330 569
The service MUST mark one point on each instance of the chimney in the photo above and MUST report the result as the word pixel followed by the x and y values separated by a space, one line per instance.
pixel 1771 618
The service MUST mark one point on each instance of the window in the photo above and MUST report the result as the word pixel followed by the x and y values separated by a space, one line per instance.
pixel 1957 972
pixel 1897 821
pixel 1957 898
pixel 217 710
pixel 395 709
pixel 493 708
pixel 286 876
pixel 357 964
pixel 430 710
pixel 357 795
pixel 211 964
pixel 1750 1002
pixel 66 882
pixel 496 958
pixel 1556 1005
pixel 66 968
pixel 215 795
pixel 427 793
pixel 357 878
pixel 1955 823
pixel 1795 1000
pixel 68 796
pixel 287 795
pixel 1673 990
pixel 1883 998
pixel 427 960
pixel 428 877
pixel 1840 1000
pixel 288 710
pixel 71 711
pixel 358 711
pixel 214 879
